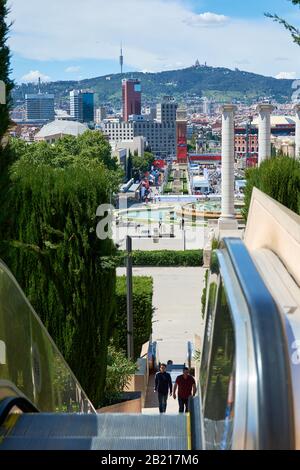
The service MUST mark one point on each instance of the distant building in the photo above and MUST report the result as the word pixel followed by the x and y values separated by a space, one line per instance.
pixel 149 113
pixel 207 106
pixel 100 114
pixel 160 135
pixel 57 129
pixel 166 111
pixel 39 107
pixel 181 136
pixel 131 97
pixel 82 106
pixel 282 133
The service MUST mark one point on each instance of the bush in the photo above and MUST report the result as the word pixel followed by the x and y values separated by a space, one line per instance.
pixel 119 370
pixel 278 177
pixel 142 313
pixel 164 258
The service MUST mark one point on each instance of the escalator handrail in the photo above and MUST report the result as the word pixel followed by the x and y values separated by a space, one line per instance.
pixel 276 417
pixel 7 404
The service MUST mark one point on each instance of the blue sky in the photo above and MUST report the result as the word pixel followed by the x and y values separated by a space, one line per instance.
pixel 244 8
pixel 76 39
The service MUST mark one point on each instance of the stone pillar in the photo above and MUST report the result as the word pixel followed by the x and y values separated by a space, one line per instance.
pixel 227 220
pixel 264 131
pixel 297 133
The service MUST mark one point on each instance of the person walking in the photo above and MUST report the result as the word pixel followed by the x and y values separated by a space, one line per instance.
pixel 186 386
pixel 163 384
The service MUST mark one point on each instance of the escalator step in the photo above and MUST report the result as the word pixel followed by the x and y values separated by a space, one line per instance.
pixel 81 443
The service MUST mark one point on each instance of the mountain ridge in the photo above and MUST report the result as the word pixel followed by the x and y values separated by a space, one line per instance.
pixel 218 83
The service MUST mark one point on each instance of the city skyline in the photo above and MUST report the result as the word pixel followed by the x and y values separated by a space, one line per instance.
pixel 154 37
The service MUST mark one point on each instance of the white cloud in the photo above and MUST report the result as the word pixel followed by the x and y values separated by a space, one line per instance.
pixel 150 31
pixel 33 77
pixel 73 69
pixel 286 75
pixel 206 19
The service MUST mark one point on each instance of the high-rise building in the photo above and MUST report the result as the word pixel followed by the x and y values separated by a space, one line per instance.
pixel 181 135
pixel 82 106
pixel 39 107
pixel 166 111
pixel 132 97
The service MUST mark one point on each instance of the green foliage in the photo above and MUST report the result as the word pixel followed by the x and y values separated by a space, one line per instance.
pixel 279 178
pixel 142 313
pixel 4 69
pixel 48 239
pixel 204 293
pixel 143 164
pixel 294 31
pixel 119 369
pixel 167 258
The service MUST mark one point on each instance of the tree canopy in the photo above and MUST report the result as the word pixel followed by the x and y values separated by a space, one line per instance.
pixel 48 239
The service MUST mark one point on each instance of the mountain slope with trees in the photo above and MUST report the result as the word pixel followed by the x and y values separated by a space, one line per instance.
pixel 219 83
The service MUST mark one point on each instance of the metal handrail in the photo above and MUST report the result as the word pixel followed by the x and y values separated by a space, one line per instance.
pixel 7 404
pixel 275 417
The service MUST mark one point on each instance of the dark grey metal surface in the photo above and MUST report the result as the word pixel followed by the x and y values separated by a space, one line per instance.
pixel 104 431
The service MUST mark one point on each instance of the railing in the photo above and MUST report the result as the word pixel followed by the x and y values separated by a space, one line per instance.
pixel 31 366
pixel 245 379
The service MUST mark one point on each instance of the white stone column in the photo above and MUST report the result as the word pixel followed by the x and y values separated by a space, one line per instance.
pixel 297 133
pixel 227 219
pixel 264 131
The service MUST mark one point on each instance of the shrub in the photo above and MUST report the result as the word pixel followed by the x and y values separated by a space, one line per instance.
pixel 119 370
pixel 278 177
pixel 164 258
pixel 142 313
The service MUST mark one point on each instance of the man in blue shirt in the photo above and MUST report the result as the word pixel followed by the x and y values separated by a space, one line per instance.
pixel 163 384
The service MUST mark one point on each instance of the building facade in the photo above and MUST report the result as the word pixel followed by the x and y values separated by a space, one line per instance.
pixel 160 137
pixel 39 107
pixel 82 106
pixel 131 97
pixel 181 136
pixel 159 134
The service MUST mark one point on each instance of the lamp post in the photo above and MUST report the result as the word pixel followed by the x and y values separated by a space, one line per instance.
pixel 130 351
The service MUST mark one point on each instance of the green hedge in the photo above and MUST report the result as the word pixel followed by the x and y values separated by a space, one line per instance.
pixel 142 313
pixel 165 258
pixel 278 177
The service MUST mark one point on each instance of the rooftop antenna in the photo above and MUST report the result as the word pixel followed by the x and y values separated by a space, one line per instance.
pixel 39 85
pixel 121 60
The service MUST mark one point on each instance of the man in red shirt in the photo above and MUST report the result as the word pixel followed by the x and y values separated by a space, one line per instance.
pixel 186 387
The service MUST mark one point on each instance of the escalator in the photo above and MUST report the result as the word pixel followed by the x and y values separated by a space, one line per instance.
pixel 246 396
pixel 52 431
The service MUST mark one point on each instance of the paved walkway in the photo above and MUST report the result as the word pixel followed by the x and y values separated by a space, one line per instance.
pixel 177 318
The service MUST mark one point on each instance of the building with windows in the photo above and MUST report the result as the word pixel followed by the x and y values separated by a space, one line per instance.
pixel 159 134
pixel 82 106
pixel 160 137
pixel 131 97
pixel 39 107
pixel 166 111
pixel 100 114
pixel 181 136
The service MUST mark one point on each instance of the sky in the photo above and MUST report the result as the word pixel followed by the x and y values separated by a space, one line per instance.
pixel 77 39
